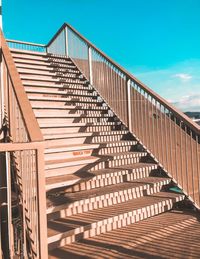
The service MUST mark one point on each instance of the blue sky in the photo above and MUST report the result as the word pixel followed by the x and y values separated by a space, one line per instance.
pixel 158 41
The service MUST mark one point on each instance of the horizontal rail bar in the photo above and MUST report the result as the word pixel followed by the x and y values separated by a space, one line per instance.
pixel 7 147
pixel 25 42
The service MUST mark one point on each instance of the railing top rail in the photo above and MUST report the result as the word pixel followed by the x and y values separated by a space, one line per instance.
pixel 30 121
pixel 195 127
pixel 9 147
pixel 25 42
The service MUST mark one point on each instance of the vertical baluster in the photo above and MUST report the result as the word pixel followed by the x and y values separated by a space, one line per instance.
pixel 198 166
pixel 9 205
pixel 192 165
pixel 129 119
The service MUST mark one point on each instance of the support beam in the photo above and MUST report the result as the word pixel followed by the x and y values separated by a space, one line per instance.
pixel 66 42
pixel 90 64
pixel 129 104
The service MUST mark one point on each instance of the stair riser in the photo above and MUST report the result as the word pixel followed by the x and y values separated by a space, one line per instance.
pixel 52 80
pixel 41 59
pixel 109 224
pixel 67 100
pixel 58 104
pixel 106 200
pixel 87 152
pixel 40 56
pixel 41 63
pixel 67 170
pixel 58 121
pixel 101 165
pixel 49 73
pixel 54 113
pixel 80 129
pixel 111 179
pixel 70 154
pixel 59 90
pixel 51 76
pixel 81 140
pixel 116 162
pixel 100 139
pixel 67 141
pixel 46 69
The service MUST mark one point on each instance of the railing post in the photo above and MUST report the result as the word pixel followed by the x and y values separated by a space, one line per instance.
pixel 42 228
pixel 129 104
pixel 90 64
pixel 1 95
pixel 66 42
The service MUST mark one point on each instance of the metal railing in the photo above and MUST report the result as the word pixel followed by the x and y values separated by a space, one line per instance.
pixel 29 46
pixel 22 157
pixel 168 135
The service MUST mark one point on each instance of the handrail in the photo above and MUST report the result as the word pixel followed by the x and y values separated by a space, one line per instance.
pixel 29 118
pixel 178 113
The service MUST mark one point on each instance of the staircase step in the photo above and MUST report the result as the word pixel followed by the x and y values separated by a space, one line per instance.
pixel 54 81
pixel 64 231
pixel 50 76
pixel 69 151
pixel 68 112
pixel 88 137
pixel 115 175
pixel 118 159
pixel 60 163
pixel 45 63
pixel 41 57
pixel 60 89
pixel 75 100
pixel 69 166
pixel 46 104
pixel 66 151
pixel 63 121
pixel 47 68
pixel 69 204
pixel 162 236
pixel 67 87
pixel 57 93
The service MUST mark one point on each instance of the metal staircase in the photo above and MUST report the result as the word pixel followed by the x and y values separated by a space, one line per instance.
pixel 92 150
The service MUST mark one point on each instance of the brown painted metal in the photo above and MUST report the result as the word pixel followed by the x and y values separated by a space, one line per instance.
pixel 168 134
pixel 26 151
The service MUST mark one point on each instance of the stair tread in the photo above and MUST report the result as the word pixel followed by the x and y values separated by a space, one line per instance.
pixel 57 161
pixel 74 124
pixel 69 198
pixel 148 238
pixel 87 134
pixel 62 225
pixel 62 147
pixel 124 167
pixel 54 148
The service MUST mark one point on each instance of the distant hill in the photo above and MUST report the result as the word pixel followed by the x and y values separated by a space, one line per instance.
pixel 195 115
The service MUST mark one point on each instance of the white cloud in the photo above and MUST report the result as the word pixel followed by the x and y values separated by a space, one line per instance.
pixel 183 76
pixel 188 103
pixel 179 84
